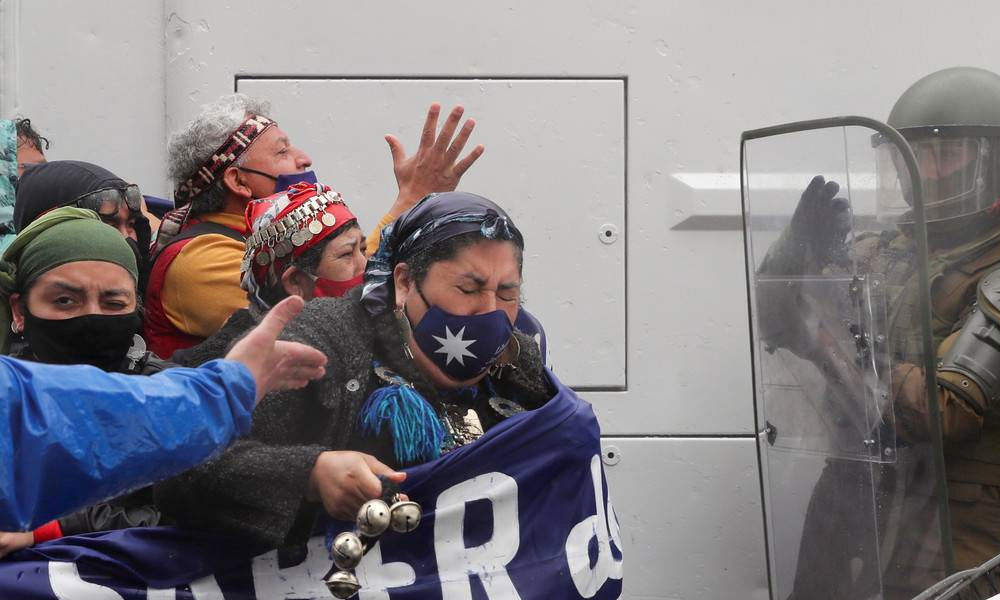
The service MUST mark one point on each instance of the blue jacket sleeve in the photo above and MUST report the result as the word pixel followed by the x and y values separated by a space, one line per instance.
pixel 74 435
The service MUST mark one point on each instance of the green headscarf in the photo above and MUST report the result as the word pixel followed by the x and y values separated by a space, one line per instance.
pixel 58 237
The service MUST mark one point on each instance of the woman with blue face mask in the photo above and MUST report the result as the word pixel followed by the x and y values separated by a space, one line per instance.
pixel 424 359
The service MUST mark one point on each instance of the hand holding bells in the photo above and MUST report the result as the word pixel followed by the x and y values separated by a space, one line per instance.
pixel 374 518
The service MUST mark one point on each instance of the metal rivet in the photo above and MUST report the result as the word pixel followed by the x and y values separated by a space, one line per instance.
pixel 608 233
pixel 611 455
pixel 353 385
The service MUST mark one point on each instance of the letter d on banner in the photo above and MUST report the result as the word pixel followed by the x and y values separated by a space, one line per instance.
pixel 604 527
pixel 456 562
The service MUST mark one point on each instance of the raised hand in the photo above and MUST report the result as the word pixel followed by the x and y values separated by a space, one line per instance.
pixel 435 167
pixel 821 222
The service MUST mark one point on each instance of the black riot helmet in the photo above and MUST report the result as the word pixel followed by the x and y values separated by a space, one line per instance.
pixel 951 118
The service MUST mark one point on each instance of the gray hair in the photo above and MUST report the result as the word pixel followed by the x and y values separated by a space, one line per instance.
pixel 193 145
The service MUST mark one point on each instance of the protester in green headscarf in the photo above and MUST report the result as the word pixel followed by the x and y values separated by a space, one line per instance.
pixel 68 287
pixel 68 295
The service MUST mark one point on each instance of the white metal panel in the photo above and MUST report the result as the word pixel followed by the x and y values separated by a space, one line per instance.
pixel 90 76
pixel 686 335
pixel 698 73
pixel 10 31
pixel 555 160
pixel 690 517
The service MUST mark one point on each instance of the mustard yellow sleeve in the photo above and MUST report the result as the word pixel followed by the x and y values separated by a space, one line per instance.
pixel 202 285
pixel 371 245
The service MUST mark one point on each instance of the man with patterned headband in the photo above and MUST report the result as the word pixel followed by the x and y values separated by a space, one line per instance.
pixel 304 242
pixel 229 155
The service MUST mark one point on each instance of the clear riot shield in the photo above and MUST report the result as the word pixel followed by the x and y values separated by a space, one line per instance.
pixel 841 344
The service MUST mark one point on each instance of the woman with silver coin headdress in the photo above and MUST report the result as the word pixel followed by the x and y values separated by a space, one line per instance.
pixel 305 242
pixel 424 358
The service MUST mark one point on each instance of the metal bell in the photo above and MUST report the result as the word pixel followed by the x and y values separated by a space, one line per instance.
pixel 373 518
pixel 404 517
pixel 347 550
pixel 342 584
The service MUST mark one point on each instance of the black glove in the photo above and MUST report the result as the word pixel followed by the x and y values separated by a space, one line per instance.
pixel 820 224
pixel 814 239
pixel 389 489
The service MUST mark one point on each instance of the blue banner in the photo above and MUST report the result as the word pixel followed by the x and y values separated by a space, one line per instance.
pixel 522 513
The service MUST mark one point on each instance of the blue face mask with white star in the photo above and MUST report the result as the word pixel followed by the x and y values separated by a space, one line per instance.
pixel 463 346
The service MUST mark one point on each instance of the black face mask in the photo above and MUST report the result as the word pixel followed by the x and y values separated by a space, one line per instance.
pixel 98 340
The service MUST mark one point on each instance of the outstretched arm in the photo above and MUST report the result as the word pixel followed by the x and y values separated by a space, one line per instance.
pixel 74 435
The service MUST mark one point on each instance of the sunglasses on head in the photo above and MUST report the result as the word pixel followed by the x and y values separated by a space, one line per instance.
pixel 98 199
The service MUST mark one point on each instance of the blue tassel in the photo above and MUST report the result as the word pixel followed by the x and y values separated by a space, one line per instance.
pixel 417 433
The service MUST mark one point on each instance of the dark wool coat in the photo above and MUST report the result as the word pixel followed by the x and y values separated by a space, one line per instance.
pixel 219 344
pixel 256 489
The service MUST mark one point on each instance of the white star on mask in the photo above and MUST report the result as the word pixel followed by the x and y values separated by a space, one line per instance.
pixel 454 346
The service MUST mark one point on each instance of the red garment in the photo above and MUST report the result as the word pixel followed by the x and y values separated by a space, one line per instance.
pixel 162 337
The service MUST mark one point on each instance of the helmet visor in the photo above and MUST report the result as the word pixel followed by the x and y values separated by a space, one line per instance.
pixel 953 174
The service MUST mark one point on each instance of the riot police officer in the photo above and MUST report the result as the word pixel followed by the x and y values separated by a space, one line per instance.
pixel 951 120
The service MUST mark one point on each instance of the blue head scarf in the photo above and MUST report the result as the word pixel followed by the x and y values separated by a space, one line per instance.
pixel 434 219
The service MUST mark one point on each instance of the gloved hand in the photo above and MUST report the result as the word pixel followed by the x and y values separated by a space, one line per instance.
pixel 819 225
pixel 814 239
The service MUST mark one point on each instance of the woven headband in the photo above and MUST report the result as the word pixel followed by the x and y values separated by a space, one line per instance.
pixel 235 145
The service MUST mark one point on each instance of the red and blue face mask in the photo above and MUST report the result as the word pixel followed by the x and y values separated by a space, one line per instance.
pixel 463 346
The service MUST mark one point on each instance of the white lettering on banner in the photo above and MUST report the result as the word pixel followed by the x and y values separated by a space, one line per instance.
pixel 206 588
pixel 376 576
pixel 589 580
pixel 304 580
pixel 456 562
pixel 66 584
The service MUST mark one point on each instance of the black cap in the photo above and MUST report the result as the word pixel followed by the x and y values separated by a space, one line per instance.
pixel 49 185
